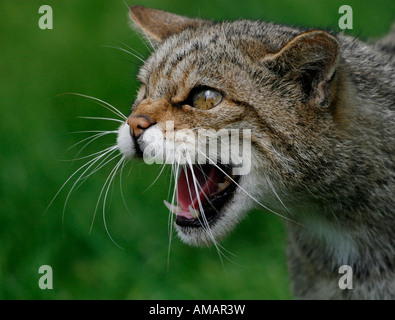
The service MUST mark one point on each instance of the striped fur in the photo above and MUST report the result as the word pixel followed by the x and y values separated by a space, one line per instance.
pixel 321 109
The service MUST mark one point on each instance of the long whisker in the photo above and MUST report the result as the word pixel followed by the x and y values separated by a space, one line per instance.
pixel 121 188
pixel 101 193
pixel 130 48
pixel 208 230
pixel 100 118
pixel 208 200
pixel 141 28
pixel 112 174
pixel 100 165
pixel 93 138
pixel 205 224
pixel 124 50
pixel 202 223
pixel 82 158
pixel 94 131
pixel 156 179
pixel 72 175
pixel 171 217
pixel 275 193
pixel 204 194
pixel 90 137
pixel 170 183
pixel 92 162
pixel 100 102
pixel 82 177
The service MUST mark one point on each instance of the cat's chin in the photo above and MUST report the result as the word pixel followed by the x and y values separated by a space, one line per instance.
pixel 207 237
pixel 125 143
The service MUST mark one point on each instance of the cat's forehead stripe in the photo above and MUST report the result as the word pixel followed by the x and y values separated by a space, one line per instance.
pixel 196 56
pixel 175 51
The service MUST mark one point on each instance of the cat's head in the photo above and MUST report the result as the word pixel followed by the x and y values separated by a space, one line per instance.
pixel 235 108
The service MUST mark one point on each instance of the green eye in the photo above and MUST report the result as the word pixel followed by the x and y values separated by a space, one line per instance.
pixel 206 99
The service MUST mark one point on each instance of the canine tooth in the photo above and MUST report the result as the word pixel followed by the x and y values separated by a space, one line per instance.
pixel 173 208
pixel 223 185
pixel 228 179
pixel 194 213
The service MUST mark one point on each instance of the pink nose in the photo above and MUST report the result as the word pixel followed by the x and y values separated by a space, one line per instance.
pixel 138 125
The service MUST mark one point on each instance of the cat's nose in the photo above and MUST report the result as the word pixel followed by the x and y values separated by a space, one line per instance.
pixel 138 125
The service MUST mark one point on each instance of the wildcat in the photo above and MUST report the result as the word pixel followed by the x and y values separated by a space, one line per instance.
pixel 320 107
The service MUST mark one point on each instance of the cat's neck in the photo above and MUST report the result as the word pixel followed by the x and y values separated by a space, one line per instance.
pixel 361 238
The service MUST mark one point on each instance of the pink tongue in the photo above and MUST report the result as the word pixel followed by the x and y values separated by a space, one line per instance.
pixel 206 184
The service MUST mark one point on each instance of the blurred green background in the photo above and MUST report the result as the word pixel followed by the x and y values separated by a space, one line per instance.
pixel 36 130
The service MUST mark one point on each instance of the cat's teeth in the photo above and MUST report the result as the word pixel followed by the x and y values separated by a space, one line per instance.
pixel 223 185
pixel 230 179
pixel 194 213
pixel 177 209
pixel 173 208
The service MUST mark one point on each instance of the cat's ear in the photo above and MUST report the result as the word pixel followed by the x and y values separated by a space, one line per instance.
pixel 310 58
pixel 157 25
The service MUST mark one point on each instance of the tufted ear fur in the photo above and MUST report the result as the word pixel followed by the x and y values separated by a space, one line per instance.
pixel 157 25
pixel 311 58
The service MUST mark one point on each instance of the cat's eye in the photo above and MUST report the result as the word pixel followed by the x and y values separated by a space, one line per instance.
pixel 206 99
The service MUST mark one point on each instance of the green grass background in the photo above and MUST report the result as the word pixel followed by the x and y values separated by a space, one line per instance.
pixel 36 124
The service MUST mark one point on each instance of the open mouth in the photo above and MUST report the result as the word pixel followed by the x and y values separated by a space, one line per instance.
pixel 202 192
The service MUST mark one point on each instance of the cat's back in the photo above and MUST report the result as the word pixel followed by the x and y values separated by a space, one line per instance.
pixel 371 71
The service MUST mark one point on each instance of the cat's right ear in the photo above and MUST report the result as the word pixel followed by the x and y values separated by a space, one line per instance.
pixel 157 25
pixel 310 58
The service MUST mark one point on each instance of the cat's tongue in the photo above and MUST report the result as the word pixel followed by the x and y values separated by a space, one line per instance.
pixel 197 187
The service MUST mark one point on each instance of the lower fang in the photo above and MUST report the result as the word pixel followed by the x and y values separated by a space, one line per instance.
pixel 172 207
pixel 194 213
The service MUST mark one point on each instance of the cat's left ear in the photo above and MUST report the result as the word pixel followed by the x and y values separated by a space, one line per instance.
pixel 310 58
pixel 157 25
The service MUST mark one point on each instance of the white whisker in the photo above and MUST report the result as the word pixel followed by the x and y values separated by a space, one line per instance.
pixel 100 118
pixel 100 165
pixel 275 193
pixel 112 175
pixel 208 200
pixel 130 48
pixel 171 216
pixel 90 137
pixel 205 225
pixel 141 28
pixel 121 188
pixel 156 179
pixel 102 103
pixel 124 50
pixel 93 138
pixel 101 193
pixel 75 172
pixel 94 131
pixel 91 163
